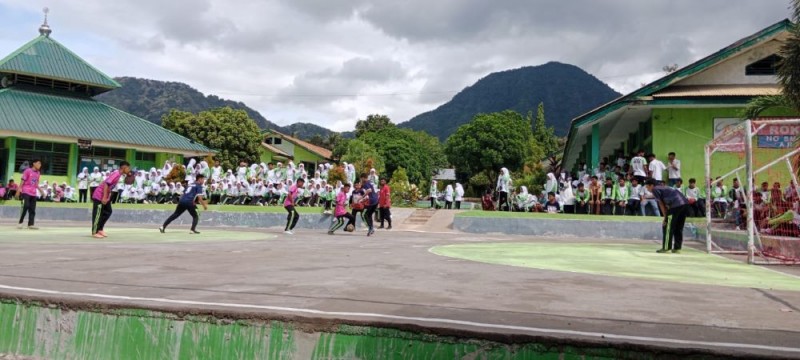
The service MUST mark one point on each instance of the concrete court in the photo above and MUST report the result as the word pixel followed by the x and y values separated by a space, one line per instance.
pixel 393 278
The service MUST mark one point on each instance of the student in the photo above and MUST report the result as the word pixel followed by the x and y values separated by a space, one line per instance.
pixel 673 169
pixel 11 189
pixel 385 204
pixel 340 211
pixel 289 204
pixel 552 206
pixel 448 197
pixel 216 171
pixel 697 204
pixel 29 193
pixel 433 194
pixel 635 199
pixel 95 178
pixel 358 200
pixel 459 195
pixel 622 193
pixel 83 185
pixel 607 197
pixel 656 168
pixel 638 164
pixel 674 206
pixel 582 198
pixel 372 205
pixel 101 200
pixel 595 196
pixel 647 198
pixel 719 198
pixel 487 203
pixel 188 202
pixel 503 188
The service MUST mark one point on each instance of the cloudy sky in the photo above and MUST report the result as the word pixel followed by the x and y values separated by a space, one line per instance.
pixel 331 62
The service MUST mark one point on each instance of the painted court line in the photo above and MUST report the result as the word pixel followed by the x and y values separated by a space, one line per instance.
pixel 419 320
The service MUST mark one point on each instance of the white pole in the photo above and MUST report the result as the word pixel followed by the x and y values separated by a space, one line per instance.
pixel 708 199
pixel 793 174
pixel 748 148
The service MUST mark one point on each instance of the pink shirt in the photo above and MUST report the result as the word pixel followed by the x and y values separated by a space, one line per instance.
pixel 341 202
pixel 111 181
pixel 30 182
pixel 291 196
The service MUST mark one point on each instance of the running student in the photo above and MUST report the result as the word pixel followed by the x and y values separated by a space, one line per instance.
pixel 188 202
pixel 101 200
pixel 290 203
pixel 28 193
pixel 372 205
pixel 340 212
pixel 675 207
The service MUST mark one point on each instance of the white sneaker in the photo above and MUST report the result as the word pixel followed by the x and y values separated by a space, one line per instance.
pixel 288 232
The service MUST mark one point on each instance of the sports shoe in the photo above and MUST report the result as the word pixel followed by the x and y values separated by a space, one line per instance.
pixel 288 232
pixel 33 228
pixel 389 228
pixel 193 232
pixel 380 227
pixel 662 251
pixel 161 229
pixel 330 232
pixel 676 251
pixel 370 232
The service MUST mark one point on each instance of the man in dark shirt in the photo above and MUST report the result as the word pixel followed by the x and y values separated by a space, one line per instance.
pixel 675 207
pixel 372 205
pixel 188 202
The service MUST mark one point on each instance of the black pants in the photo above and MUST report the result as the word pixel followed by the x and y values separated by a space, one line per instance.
pixel 569 209
pixel 369 212
pixel 433 202
pixel 634 207
pixel 458 205
pixel 340 221
pixel 356 213
pixel 192 209
pixel 619 209
pixel 100 215
pixel 91 190
pixel 29 208
pixel 82 195
pixel 676 218
pixel 292 218
pixel 581 209
pixel 114 197
pixel 448 204
pixel 608 207
pixel 502 200
pixel 386 215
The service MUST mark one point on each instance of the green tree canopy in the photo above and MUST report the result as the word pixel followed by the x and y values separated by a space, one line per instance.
pixel 490 142
pixel 234 135
pixel 418 153
pixel 544 135
pixel 372 123
pixel 364 157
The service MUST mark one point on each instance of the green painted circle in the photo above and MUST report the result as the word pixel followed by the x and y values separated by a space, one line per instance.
pixel 127 235
pixel 624 260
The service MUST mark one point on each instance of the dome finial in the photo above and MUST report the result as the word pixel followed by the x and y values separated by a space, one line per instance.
pixel 45 29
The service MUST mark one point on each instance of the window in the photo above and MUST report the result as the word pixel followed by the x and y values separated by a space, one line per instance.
pixel 54 156
pixel 765 66
pixel 144 156
pixel 274 141
pixel 104 158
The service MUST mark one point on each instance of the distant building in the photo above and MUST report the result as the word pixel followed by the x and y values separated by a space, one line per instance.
pixel 278 147
pixel 47 110
pixel 684 110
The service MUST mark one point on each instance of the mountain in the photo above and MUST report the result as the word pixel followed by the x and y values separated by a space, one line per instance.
pixel 566 91
pixel 151 99
pixel 306 130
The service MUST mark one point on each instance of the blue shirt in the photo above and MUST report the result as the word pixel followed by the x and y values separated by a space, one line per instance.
pixel 373 196
pixel 670 197
pixel 194 191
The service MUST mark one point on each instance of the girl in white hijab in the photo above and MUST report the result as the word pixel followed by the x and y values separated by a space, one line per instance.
pixel 503 188
pixel 448 196
pixel 351 173
pixel 459 195
pixel 83 185
pixel 551 186
pixel 190 171
pixel 521 201
pixel 95 178
pixel 373 176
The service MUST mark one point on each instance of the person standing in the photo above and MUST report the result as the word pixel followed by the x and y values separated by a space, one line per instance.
pixel 29 192
pixel 503 187
pixel 372 204
pixel 638 164
pixel 459 195
pixel 83 185
pixel 385 204
pixel 101 199
pixel 449 193
pixel 656 168
pixel 188 202
pixel 675 207
pixel 673 170
pixel 95 178
pixel 340 211
pixel 433 194
pixel 290 203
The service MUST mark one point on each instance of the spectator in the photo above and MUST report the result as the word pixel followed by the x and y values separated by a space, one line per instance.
pixel 673 169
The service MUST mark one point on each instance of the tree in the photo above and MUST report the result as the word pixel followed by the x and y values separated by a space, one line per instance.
pixel 403 192
pixel 490 142
pixel 232 133
pixel 317 140
pixel 543 134
pixel 363 157
pixel 333 139
pixel 340 149
pixel 789 70
pixel 375 122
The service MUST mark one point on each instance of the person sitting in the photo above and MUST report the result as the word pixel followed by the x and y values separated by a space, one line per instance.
pixel 635 199
pixel 552 206
pixel 607 197
pixel 595 196
pixel 11 189
pixel 786 224
pixel 487 203
pixel 719 198
pixel 622 193
pixel 697 201
pixel 582 199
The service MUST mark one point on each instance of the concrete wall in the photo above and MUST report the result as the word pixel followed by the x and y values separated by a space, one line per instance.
pixel 731 71
pixel 53 332
pixel 565 228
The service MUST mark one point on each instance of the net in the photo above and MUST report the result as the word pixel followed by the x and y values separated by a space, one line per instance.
pixel 751 191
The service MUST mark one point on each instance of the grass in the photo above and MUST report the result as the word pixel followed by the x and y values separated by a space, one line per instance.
pixel 579 217
pixel 170 207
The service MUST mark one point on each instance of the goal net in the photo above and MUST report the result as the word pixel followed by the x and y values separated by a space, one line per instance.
pixel 751 190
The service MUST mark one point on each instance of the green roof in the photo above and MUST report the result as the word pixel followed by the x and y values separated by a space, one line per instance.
pixel 46 58
pixel 37 112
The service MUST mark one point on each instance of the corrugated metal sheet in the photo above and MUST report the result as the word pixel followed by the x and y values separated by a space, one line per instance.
pixel 84 118
pixel 319 150
pixel 275 150
pixel 718 90
pixel 45 57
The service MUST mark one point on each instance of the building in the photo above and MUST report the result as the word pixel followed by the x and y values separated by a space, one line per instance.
pixel 684 110
pixel 48 113
pixel 278 147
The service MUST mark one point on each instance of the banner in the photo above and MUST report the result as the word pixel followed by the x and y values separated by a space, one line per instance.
pixel 777 136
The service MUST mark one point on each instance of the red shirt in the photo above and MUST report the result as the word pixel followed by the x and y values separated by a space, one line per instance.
pixel 385 199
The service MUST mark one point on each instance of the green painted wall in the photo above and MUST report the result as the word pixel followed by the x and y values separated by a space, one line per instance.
pixel 54 333
pixel 687 131
pixel 11 145
pixel 303 155
pixel 72 167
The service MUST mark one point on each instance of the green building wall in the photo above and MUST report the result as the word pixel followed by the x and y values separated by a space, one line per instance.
pixel 687 131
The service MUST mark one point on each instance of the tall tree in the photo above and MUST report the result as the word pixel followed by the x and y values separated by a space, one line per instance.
pixel 789 70
pixel 543 134
pixel 363 156
pixel 332 140
pixel 234 135
pixel 374 122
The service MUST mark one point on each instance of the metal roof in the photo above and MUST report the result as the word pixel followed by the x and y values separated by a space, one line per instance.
pixel 46 58
pixel 319 150
pixel 719 90
pixel 275 150
pixel 38 112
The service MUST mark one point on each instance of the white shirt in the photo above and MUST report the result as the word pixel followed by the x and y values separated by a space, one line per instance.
pixel 637 163
pixel 674 169
pixel 657 169
pixel 216 172
pixel 636 192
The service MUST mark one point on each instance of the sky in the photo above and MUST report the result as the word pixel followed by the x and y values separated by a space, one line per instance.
pixel 331 62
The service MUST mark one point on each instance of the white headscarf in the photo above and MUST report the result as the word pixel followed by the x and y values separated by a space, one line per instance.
pixel 459 191
pixel 552 184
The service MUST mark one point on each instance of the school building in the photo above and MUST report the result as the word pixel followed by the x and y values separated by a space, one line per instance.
pixel 682 111
pixel 47 112
pixel 279 147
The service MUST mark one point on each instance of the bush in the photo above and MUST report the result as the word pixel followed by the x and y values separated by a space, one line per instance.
pixel 403 192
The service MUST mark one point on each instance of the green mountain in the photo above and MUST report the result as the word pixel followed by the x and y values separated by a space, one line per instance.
pixel 566 91
pixel 151 99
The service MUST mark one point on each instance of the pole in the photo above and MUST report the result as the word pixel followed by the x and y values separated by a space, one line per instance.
pixel 793 174
pixel 708 200
pixel 748 148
